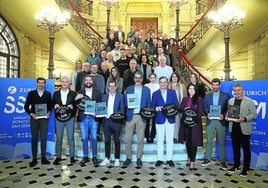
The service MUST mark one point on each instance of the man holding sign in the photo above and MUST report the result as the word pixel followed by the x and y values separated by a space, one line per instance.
pixel 38 105
pixel 88 121
pixel 215 108
pixel 137 96
pixel 241 128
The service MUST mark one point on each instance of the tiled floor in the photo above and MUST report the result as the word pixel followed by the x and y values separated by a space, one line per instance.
pixel 17 174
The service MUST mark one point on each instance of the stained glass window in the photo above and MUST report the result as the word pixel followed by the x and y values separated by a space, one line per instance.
pixel 9 51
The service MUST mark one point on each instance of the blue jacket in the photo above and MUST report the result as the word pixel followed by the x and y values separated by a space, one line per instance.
pixel 157 100
pixel 145 100
pixel 118 102
pixel 223 102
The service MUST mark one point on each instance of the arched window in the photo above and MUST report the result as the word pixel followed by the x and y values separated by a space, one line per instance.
pixel 9 51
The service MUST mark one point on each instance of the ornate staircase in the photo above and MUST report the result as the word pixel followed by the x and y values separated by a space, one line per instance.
pixel 81 17
pixel 150 152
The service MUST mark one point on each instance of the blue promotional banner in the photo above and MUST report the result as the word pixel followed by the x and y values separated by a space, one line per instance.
pixel 15 133
pixel 257 90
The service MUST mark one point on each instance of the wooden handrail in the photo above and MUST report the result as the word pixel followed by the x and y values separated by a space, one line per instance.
pixel 185 58
pixel 199 20
pixel 82 18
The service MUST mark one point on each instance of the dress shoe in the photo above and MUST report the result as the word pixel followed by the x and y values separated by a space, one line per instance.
pixel 188 162
pixel 95 161
pixel 192 169
pixel 171 163
pixel 33 163
pixel 139 163
pixel 175 140
pixel 72 160
pixel 158 163
pixel 84 161
pixel 149 140
pixel 127 163
pixel 44 161
pixel 57 161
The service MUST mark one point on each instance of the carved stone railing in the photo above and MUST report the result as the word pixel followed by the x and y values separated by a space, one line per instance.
pixel 78 10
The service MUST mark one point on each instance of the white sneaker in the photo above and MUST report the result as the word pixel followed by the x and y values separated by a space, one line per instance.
pixel 105 162
pixel 116 162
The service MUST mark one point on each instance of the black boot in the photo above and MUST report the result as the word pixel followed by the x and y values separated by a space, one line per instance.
pixel 33 162
pixel 45 161
pixel 84 161
pixel 57 161
pixel 95 161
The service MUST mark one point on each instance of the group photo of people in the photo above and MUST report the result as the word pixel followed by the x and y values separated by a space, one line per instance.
pixel 126 83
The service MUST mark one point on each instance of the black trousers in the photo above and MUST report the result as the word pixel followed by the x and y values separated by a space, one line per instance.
pixel 150 133
pixel 240 140
pixel 191 150
pixel 39 126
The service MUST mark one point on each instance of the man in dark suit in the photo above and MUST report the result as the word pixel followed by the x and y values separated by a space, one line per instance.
pixel 216 124
pixel 38 125
pixel 134 120
pixel 61 98
pixel 164 125
pixel 88 122
pixel 119 33
pixel 115 103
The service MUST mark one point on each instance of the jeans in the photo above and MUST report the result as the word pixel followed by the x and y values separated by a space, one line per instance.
pixel 59 126
pixel 89 123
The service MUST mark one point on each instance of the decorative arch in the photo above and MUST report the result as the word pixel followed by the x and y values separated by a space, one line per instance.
pixel 9 51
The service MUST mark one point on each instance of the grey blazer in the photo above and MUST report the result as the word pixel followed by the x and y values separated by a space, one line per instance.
pixel 247 110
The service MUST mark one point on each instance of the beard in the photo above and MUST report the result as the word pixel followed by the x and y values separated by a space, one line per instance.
pixel 88 85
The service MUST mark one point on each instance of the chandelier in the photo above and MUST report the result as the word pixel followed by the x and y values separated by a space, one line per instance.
pixel 51 18
pixel 227 18
pixel 109 3
pixel 177 3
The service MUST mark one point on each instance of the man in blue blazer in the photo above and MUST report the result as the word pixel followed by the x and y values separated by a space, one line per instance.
pixel 115 103
pixel 216 124
pixel 164 125
pixel 134 120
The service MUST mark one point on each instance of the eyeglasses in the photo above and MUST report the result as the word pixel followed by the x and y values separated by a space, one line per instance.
pixel 138 77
